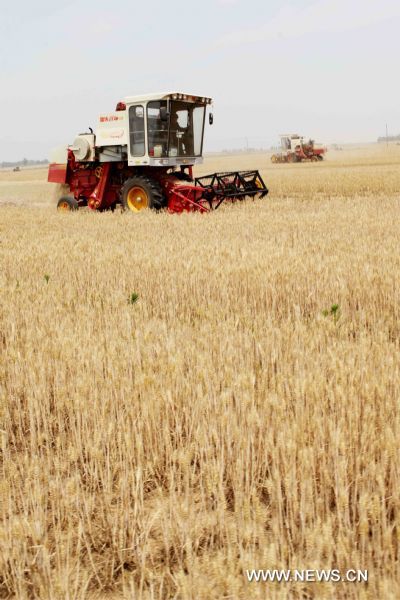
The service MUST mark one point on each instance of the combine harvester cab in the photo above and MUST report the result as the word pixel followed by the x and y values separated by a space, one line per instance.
pixel 142 156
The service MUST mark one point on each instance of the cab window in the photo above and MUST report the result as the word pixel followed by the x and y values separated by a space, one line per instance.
pixel 136 131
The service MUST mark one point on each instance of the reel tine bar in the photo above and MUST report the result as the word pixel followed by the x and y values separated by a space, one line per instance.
pixel 233 185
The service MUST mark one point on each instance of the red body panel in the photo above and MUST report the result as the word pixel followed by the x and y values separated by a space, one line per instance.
pixel 57 173
pixel 98 185
pixel 183 197
pixel 99 197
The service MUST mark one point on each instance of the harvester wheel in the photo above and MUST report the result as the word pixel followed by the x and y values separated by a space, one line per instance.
pixel 141 192
pixel 67 203
pixel 274 158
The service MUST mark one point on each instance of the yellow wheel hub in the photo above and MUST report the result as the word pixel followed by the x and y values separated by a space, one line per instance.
pixel 63 206
pixel 137 199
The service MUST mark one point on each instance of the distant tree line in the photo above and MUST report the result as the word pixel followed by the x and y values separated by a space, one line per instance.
pixel 23 163
pixel 389 138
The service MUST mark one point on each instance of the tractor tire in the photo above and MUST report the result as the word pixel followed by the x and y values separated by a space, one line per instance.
pixel 141 192
pixel 67 203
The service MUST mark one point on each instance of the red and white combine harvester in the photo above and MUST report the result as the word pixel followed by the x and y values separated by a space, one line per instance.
pixel 141 156
pixel 295 149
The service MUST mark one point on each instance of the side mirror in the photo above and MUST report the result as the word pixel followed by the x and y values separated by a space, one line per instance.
pixel 211 118
pixel 164 114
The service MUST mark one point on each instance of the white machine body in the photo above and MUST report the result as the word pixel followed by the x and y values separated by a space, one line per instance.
pixel 162 129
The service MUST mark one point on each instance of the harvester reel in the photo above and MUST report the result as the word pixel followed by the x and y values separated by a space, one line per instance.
pixel 234 185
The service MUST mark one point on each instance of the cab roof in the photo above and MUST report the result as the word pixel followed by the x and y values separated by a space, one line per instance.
pixel 167 96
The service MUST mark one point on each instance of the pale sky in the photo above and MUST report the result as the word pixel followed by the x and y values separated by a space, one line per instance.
pixel 328 69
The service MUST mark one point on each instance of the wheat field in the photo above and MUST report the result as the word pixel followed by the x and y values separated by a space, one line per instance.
pixel 241 413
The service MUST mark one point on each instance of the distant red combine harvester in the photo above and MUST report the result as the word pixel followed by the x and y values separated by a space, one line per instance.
pixel 142 156
pixel 295 149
